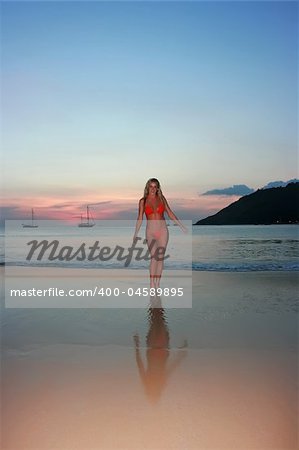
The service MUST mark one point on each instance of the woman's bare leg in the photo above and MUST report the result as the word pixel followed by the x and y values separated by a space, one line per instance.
pixel 153 264
pixel 162 243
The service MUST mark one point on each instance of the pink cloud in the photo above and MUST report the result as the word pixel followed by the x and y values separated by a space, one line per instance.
pixel 115 207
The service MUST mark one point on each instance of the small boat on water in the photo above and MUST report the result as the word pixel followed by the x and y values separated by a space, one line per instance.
pixel 88 220
pixel 32 224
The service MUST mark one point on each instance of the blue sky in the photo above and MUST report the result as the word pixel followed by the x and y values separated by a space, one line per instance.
pixel 98 97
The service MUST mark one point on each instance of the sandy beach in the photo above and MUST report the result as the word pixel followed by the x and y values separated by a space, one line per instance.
pixel 219 375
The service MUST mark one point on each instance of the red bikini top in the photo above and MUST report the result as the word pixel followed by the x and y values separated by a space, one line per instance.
pixel 149 210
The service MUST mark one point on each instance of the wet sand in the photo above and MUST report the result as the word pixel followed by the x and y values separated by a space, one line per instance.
pixel 235 387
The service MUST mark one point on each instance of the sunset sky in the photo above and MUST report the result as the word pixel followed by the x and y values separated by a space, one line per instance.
pixel 98 97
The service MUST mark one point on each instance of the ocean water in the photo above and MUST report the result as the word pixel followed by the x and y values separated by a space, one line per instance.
pixel 210 248
pixel 245 248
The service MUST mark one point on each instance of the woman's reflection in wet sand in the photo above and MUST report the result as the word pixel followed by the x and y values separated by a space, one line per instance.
pixel 160 365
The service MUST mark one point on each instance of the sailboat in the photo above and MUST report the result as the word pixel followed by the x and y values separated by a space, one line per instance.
pixel 30 225
pixel 89 220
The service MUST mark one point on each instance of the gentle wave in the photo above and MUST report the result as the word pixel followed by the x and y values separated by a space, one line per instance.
pixel 94 265
pixel 196 266
pixel 245 267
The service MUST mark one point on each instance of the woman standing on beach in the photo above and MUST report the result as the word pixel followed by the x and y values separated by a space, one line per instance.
pixel 153 204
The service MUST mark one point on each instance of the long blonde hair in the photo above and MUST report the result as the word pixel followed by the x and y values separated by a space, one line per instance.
pixel 159 190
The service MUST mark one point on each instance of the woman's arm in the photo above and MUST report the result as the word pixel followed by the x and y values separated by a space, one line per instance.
pixel 173 217
pixel 139 218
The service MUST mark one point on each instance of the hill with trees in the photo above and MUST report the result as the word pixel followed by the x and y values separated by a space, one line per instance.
pixel 265 206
